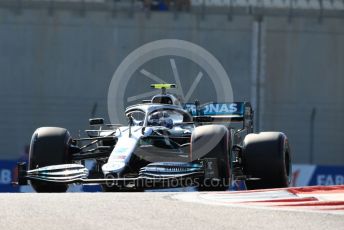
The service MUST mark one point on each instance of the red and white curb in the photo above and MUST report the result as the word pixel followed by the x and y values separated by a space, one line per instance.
pixel 329 199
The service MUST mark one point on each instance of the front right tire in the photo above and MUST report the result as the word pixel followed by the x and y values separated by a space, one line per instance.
pixel 212 141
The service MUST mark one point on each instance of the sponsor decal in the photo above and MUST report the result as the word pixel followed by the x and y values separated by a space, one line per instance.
pixel 330 179
pixel 216 109
pixel 309 175
pixel 328 175
pixel 220 108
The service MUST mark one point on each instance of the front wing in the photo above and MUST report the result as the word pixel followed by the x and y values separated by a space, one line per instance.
pixel 166 174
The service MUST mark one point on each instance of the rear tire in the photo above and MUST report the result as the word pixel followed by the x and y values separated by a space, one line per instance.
pixel 267 156
pixel 49 146
pixel 212 141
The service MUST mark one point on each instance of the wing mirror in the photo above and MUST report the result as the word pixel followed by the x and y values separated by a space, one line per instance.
pixel 96 121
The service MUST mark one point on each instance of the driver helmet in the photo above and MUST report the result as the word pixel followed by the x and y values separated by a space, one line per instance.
pixel 161 118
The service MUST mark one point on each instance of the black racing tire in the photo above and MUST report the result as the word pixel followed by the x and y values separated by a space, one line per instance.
pixel 267 156
pixel 212 141
pixel 49 146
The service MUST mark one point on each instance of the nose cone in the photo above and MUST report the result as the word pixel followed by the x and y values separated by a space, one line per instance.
pixel 110 167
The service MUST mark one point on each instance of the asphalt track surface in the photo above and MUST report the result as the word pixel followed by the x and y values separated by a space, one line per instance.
pixel 149 210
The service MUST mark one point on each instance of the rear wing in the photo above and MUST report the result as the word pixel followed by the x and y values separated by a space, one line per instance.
pixel 222 112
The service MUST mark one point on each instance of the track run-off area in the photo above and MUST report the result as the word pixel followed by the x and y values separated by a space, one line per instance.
pixel 291 208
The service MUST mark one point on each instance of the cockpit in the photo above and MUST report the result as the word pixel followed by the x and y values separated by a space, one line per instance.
pixel 158 115
pixel 166 118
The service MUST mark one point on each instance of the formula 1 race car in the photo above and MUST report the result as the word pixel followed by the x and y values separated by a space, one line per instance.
pixel 165 144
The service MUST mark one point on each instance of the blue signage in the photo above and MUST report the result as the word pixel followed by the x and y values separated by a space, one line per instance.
pixel 7 175
pixel 328 175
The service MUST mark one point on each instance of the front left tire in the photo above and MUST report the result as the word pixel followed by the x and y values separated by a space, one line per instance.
pixel 49 146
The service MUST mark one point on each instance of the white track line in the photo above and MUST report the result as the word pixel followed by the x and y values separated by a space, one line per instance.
pixel 323 201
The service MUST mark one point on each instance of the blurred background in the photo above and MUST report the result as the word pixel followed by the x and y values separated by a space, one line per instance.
pixel 57 59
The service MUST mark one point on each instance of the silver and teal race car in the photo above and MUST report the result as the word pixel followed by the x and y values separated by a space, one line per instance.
pixel 165 144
